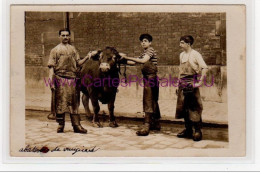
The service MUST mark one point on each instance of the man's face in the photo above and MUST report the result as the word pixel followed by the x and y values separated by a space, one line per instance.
pixel 184 45
pixel 145 43
pixel 64 37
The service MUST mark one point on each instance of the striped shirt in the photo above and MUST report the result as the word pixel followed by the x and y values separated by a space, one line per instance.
pixel 151 53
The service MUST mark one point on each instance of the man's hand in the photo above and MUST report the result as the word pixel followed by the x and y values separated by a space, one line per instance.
pixel 51 77
pixel 196 85
pixel 177 92
pixel 123 55
pixel 52 87
pixel 92 53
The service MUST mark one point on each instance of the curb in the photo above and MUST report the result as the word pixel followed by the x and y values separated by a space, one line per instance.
pixel 132 116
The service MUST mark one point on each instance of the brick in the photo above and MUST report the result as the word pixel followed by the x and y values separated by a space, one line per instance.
pixel 94 30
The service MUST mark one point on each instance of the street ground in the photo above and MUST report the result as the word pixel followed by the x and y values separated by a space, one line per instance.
pixel 40 131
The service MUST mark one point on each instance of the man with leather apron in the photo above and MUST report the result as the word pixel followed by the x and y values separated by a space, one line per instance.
pixel 63 64
pixel 148 61
pixel 189 104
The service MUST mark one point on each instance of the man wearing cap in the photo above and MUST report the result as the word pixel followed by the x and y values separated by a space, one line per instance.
pixel 148 61
pixel 189 104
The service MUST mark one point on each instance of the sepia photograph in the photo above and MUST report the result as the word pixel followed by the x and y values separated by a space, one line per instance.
pixel 128 81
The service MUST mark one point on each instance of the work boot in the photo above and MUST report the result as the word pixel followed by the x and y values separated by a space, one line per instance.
pixel 155 124
pixel 75 121
pixel 144 131
pixel 186 133
pixel 197 136
pixel 60 118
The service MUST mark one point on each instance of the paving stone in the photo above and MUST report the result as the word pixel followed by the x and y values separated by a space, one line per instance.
pixel 217 145
pixel 183 144
pixel 122 138
pixel 201 144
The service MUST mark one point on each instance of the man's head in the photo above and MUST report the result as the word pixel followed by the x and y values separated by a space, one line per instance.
pixel 186 41
pixel 146 40
pixel 64 35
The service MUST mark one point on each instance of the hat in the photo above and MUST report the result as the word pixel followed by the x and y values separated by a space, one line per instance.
pixel 147 36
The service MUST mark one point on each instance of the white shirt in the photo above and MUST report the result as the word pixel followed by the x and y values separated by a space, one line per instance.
pixel 195 59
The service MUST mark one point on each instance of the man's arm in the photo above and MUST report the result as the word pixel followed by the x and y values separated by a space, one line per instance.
pixel 203 74
pixel 51 65
pixel 204 70
pixel 141 61
pixel 51 77
pixel 89 55
pixel 129 62
pixel 81 61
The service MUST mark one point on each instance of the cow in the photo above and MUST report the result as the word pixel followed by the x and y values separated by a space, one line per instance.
pixel 100 79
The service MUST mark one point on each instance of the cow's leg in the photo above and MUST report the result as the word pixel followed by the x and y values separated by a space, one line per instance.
pixel 111 106
pixel 96 109
pixel 85 101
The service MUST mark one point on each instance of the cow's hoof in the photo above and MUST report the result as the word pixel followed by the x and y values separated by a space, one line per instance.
pixel 97 125
pixel 113 124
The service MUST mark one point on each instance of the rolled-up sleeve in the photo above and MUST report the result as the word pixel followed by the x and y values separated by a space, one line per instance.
pixel 201 62
pixel 52 59
pixel 150 52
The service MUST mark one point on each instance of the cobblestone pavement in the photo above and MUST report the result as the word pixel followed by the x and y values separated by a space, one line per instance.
pixel 42 132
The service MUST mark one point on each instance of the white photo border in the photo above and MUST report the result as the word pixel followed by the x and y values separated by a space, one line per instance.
pixel 222 162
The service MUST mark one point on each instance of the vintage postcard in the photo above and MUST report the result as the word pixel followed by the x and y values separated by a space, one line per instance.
pixel 128 81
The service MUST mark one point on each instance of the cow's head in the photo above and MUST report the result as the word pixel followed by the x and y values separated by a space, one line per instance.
pixel 108 59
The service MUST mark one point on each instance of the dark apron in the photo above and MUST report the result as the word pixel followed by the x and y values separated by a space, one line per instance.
pixel 151 96
pixel 151 90
pixel 67 97
pixel 189 103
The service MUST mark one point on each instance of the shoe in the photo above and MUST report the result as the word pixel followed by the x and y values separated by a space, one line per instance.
pixel 79 129
pixel 75 121
pixel 60 118
pixel 113 124
pixel 60 128
pixel 155 125
pixel 185 134
pixel 197 135
pixel 144 131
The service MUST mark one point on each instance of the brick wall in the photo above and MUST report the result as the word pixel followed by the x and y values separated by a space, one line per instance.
pixel 122 30
pixel 37 27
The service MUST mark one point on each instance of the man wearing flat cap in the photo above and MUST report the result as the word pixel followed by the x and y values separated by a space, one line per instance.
pixel 148 61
